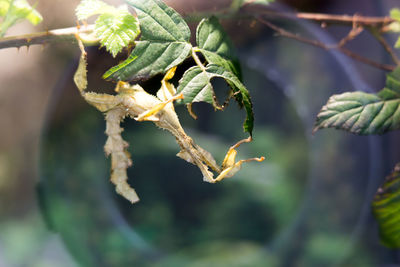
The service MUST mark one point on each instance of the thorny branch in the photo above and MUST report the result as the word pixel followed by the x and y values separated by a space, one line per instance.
pixel 43 38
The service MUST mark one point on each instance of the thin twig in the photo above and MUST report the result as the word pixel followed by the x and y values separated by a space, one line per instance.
pixel 255 10
pixel 355 31
pixel 316 43
pixel 378 35
pixel 42 38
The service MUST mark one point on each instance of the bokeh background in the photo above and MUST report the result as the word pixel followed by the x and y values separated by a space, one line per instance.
pixel 308 204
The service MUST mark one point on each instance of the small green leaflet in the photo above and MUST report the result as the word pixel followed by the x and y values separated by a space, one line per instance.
pixel 117 30
pixel 15 10
pixel 196 87
pixel 115 27
pixel 386 209
pixel 164 42
pixel 362 113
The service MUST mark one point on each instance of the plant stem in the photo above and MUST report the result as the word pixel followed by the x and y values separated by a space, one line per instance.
pixel 42 38
pixel 197 59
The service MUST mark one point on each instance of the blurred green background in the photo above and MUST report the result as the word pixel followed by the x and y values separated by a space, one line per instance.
pixel 307 204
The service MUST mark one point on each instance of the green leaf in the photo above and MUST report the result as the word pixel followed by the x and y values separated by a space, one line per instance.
pixel 164 42
pixel 115 27
pixel 149 59
pixel 236 4
pixel 88 8
pixel 362 113
pixel 117 30
pixel 397 44
pixel 160 22
pixel 386 209
pixel 395 13
pixel 15 10
pixel 395 26
pixel 196 87
pixel 216 46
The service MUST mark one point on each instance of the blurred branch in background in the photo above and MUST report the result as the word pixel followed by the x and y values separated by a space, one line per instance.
pixel 282 32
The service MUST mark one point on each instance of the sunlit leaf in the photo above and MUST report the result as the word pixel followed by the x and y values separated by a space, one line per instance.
pixel 196 86
pixel 116 30
pixel 148 59
pixel 386 209
pixel 164 42
pixel 363 113
pixel 88 8
pixel 115 27
pixel 159 22
pixel 395 13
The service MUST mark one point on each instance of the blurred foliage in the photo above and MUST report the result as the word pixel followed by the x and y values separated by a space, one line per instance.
pixel 386 207
pixel 13 11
